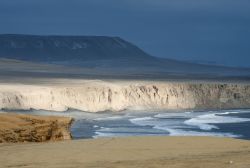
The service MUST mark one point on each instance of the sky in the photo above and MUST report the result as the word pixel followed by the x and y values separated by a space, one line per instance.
pixel 206 31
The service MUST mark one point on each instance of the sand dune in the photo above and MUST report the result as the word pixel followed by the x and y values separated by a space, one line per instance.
pixel 144 152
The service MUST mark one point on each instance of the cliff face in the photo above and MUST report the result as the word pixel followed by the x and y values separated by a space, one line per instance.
pixel 94 96
pixel 26 128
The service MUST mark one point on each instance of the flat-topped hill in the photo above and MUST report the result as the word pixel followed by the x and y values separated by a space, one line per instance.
pixel 103 56
pixel 67 48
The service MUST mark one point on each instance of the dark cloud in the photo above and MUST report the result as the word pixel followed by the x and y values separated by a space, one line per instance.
pixel 209 30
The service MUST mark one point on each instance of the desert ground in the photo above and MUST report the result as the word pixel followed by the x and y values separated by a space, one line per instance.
pixel 136 152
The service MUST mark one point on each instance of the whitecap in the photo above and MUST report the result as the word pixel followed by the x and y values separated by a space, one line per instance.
pixel 179 132
pixel 187 114
pixel 205 121
pixel 141 119
pixel 150 121
pixel 109 118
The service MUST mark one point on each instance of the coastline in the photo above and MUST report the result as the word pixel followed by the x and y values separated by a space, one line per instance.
pixel 99 95
pixel 132 152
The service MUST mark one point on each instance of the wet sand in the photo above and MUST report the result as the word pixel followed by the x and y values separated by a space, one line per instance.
pixel 136 152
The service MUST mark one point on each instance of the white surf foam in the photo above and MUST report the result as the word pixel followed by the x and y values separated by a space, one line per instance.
pixel 101 134
pixel 179 132
pixel 151 121
pixel 174 115
pixel 176 127
pixel 206 121
pixel 109 118
pixel 141 120
pixel 119 134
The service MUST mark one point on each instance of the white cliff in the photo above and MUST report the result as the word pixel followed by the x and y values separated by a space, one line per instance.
pixel 94 96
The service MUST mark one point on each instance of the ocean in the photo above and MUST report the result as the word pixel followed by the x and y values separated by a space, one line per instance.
pixel 223 123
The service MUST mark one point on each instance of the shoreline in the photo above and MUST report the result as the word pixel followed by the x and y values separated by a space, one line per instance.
pixel 88 125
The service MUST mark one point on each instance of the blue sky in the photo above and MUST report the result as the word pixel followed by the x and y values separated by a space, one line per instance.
pixel 201 30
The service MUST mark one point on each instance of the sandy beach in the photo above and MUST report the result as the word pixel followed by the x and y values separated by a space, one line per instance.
pixel 144 152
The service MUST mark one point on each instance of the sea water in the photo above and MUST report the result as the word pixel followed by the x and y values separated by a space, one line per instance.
pixel 223 123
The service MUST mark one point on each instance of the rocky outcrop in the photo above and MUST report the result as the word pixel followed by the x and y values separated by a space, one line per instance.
pixel 94 96
pixel 25 128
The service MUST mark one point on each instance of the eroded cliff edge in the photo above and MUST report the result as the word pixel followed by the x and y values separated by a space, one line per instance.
pixel 94 96
pixel 27 128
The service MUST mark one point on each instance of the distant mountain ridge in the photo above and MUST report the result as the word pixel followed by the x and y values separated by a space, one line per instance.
pixel 67 48
pixel 111 56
